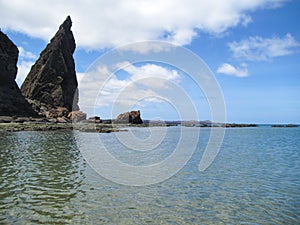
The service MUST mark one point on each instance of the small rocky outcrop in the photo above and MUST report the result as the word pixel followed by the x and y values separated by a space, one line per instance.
pixel 93 119
pixel 133 117
pixel 51 82
pixel 12 102
pixel 77 116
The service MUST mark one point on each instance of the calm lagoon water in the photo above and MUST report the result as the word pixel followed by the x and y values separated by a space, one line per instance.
pixel 255 179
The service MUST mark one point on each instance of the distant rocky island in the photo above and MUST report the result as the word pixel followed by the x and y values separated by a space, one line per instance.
pixel 48 97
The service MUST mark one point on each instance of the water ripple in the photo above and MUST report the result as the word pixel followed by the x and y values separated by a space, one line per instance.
pixel 255 179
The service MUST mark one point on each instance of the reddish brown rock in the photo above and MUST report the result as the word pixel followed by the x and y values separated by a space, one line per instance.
pixel 62 120
pixel 133 117
pixel 58 112
pixel 77 116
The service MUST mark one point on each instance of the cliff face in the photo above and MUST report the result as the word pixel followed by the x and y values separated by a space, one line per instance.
pixel 52 82
pixel 8 64
pixel 12 102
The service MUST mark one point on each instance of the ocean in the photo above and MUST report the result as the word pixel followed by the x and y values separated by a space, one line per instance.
pixel 46 178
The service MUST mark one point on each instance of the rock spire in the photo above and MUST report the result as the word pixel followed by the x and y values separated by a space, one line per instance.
pixel 52 82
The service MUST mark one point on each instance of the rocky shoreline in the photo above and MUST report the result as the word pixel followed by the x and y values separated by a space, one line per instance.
pixel 48 126
pixel 17 124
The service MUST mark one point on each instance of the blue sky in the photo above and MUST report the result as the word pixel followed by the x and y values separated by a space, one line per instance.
pixel 251 47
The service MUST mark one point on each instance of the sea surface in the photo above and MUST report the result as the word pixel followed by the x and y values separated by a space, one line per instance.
pixel 255 179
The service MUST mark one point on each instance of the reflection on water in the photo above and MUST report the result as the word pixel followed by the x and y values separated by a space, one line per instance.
pixel 40 174
pixel 255 179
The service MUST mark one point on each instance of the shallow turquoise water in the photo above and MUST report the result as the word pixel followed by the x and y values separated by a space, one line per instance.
pixel 255 179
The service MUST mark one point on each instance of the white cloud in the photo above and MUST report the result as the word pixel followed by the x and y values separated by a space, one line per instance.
pixel 23 69
pixel 148 46
pixel 25 61
pixel 26 54
pixel 101 24
pixel 229 69
pixel 100 87
pixel 260 49
pixel 147 74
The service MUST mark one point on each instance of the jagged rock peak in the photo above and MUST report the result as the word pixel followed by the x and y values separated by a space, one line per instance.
pixel 67 24
pixel 52 82
pixel 12 102
pixel 65 35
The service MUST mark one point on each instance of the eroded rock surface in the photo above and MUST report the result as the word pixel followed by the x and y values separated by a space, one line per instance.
pixel 51 82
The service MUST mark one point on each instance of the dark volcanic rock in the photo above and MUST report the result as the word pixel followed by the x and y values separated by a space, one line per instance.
pixel 95 119
pixel 12 102
pixel 52 82
pixel 133 117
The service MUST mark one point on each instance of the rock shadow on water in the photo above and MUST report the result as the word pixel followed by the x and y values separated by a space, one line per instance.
pixel 42 173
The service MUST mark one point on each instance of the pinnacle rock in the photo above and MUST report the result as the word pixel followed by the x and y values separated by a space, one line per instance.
pixel 52 82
